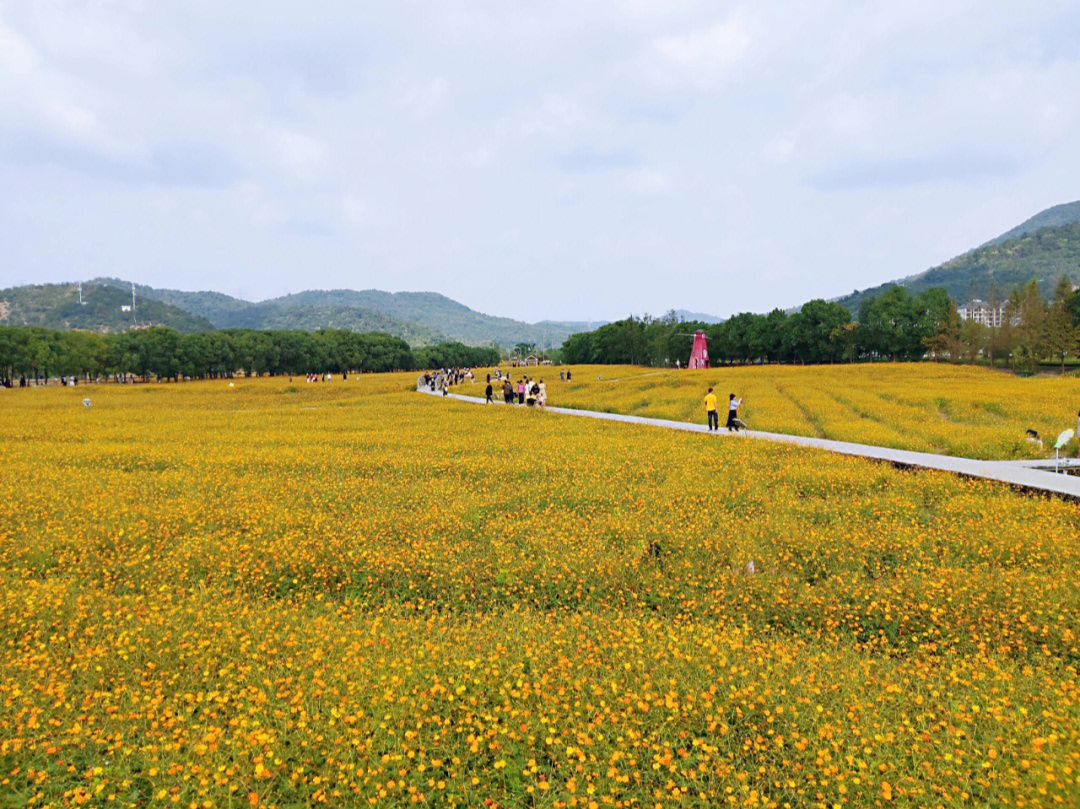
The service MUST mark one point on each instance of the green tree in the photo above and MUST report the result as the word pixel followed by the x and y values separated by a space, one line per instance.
pixel 1074 307
pixel 1059 332
pixel 942 320
pixel 774 334
pixel 847 338
pixel 43 354
pixel 974 338
pixel 889 324
pixel 1028 311
pixel 811 329
pixel 577 349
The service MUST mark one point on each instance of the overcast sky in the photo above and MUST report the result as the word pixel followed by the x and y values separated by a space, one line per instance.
pixel 570 160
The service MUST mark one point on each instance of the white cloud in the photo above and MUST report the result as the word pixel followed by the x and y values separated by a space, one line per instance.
pixel 984 120
pixel 260 209
pixel 558 116
pixel 766 130
pixel 72 117
pixel 355 211
pixel 647 182
pixel 297 155
pixel 424 99
pixel 779 149
pixel 17 57
pixel 103 34
pixel 721 44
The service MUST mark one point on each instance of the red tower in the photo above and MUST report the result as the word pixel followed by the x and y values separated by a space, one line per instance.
pixel 699 357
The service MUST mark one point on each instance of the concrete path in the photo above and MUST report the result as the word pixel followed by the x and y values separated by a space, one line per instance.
pixel 1015 473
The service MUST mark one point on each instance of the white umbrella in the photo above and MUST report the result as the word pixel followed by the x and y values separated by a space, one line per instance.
pixel 1062 440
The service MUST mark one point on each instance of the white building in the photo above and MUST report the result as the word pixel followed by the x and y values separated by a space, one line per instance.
pixel 983 312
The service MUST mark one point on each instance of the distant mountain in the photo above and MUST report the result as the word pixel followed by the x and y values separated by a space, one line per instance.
pixel 438 313
pixel 421 318
pixel 56 306
pixel 1044 252
pixel 279 314
pixel 682 314
pixel 212 306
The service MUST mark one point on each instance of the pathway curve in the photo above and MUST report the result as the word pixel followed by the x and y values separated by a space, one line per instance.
pixel 1015 473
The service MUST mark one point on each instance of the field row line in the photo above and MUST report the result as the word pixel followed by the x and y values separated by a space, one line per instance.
pixel 1015 473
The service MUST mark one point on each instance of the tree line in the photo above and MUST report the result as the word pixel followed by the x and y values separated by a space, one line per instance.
pixel 1032 330
pixel 161 353
pixel 895 325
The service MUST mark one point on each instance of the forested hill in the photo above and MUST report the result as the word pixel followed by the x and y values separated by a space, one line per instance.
pixel 56 306
pixel 278 315
pixel 421 318
pixel 1045 255
pixel 436 312
pixel 214 307
pixel 1059 215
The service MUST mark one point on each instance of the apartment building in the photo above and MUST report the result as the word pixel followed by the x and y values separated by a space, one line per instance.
pixel 983 312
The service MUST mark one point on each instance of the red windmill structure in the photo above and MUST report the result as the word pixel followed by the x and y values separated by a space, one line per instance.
pixel 699 356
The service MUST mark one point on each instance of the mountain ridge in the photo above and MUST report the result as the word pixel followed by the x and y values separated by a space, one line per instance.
pixel 57 306
pixel 697 317
pixel 1044 247
pixel 1054 216
pixel 421 318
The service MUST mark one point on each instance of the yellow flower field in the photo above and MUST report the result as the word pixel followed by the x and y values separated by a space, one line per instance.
pixel 947 409
pixel 346 593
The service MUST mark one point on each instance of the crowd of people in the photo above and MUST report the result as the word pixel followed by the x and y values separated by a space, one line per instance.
pixel 444 378
pixel 526 391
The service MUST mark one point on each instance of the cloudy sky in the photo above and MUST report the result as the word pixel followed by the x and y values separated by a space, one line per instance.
pixel 576 159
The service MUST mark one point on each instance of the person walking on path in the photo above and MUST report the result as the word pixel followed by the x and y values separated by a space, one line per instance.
pixel 508 392
pixel 710 410
pixel 541 397
pixel 487 393
pixel 733 422
pixel 521 391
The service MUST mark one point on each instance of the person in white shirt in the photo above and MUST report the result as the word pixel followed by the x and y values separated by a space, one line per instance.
pixel 733 422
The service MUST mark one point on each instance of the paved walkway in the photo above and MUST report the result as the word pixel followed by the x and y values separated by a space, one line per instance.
pixel 1015 473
